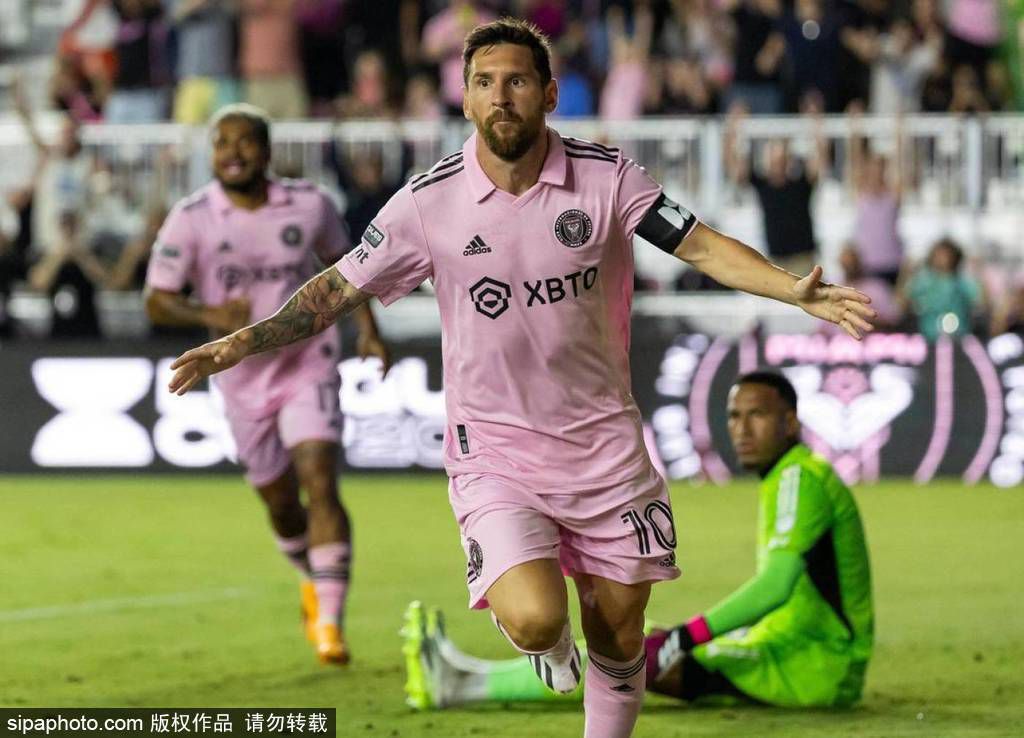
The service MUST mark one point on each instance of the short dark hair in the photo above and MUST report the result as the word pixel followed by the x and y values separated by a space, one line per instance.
pixel 954 248
pixel 771 379
pixel 256 117
pixel 509 31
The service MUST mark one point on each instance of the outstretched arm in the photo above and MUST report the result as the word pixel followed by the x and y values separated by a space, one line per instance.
pixel 734 264
pixel 316 305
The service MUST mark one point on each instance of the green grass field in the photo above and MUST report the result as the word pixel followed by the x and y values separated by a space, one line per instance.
pixel 167 592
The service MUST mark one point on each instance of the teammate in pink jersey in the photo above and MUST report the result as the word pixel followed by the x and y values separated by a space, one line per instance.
pixel 245 242
pixel 527 238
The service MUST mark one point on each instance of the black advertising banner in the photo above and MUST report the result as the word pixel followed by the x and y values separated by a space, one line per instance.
pixel 892 405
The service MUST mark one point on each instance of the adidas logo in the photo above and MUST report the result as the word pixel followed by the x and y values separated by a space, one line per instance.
pixel 476 246
pixel 623 688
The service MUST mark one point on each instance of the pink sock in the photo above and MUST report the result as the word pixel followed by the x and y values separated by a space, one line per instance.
pixel 295 549
pixel 612 693
pixel 330 565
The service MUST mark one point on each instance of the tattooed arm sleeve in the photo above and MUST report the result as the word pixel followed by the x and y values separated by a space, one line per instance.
pixel 317 304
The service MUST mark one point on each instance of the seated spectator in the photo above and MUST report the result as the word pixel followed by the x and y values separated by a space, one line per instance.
pixel 784 191
pixel 941 295
pixel 624 91
pixel 269 58
pixel 139 93
pixel 89 33
pixel 206 59
pixel 1008 312
pixel 443 36
pixel 758 52
pixel 69 276
pixel 876 225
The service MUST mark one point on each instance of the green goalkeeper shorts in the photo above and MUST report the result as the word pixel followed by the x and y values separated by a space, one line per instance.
pixel 791 673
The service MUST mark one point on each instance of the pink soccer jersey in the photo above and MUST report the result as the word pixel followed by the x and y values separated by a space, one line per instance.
pixel 226 252
pixel 535 294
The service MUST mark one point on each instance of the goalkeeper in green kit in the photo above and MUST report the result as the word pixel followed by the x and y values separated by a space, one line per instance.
pixel 799 633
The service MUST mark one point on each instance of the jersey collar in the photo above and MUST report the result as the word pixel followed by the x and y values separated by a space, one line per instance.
pixel 553 172
pixel 794 454
pixel 277 194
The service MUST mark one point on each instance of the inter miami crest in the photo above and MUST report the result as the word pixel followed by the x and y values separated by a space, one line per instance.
pixel 291 235
pixel 573 228
pixel 476 560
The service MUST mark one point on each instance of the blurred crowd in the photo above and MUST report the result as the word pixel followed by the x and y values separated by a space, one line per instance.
pixel 133 61
pixel 71 233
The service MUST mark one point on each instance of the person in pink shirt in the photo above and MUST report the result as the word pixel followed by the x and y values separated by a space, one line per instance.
pixel 244 243
pixel 442 45
pixel 527 237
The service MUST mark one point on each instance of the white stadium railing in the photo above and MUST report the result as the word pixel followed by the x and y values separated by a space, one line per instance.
pixel 963 176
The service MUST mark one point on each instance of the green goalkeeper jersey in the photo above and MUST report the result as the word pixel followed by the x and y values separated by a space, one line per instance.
pixel 806 509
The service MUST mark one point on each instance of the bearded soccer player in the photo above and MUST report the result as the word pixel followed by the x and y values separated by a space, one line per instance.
pixel 245 242
pixel 527 237
pixel 797 634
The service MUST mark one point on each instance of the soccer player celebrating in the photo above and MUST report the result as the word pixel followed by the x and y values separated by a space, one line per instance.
pixel 245 242
pixel 797 634
pixel 527 237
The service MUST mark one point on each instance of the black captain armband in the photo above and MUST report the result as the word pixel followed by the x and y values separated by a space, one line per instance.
pixel 666 224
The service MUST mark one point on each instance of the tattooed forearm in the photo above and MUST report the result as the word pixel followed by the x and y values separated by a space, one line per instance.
pixel 316 305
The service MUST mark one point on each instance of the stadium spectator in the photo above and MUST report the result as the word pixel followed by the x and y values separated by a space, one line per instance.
pixel 89 34
pixel 942 296
pixel 550 16
pixel 1008 312
pixel 15 238
pixel 798 633
pixel 69 274
pixel 421 98
pixel 975 31
pixel 684 89
pixel 758 52
pixel 575 98
pixel 322 40
pixel 861 23
pixel 811 33
pixel 901 64
pixel 878 196
pixel 361 177
pixel 139 90
pixel 205 67
pixel 442 46
pixel 625 88
pixel 882 294
pixel 269 58
pixel 72 92
pixel 371 95
pixel 784 192
pixel 129 270
pixel 698 31
pixel 967 96
pixel 61 182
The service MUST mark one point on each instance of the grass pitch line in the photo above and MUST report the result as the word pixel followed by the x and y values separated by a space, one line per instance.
pixel 115 604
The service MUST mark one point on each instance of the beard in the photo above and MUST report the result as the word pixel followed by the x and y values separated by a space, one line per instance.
pixel 511 147
pixel 248 186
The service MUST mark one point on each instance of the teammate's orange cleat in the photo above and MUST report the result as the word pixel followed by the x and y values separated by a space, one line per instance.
pixel 330 644
pixel 309 609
